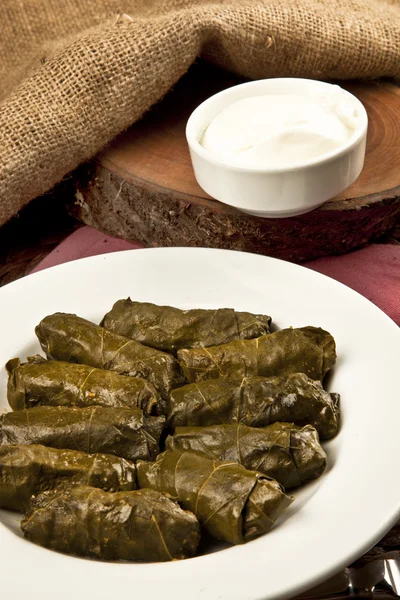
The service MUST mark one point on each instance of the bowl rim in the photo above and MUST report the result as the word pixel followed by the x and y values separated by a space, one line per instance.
pixel 196 147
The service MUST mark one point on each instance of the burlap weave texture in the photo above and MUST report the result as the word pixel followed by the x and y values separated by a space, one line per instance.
pixel 73 74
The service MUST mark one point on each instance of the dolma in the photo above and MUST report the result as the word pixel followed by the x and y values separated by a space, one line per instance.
pixel 292 455
pixel 73 339
pixel 256 402
pixel 308 350
pixel 28 470
pixel 141 525
pixel 56 383
pixel 230 502
pixel 169 329
pixel 121 431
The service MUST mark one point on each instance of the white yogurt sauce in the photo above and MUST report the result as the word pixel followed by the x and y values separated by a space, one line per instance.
pixel 274 131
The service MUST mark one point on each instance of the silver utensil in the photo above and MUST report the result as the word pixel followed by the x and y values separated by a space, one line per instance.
pixel 379 578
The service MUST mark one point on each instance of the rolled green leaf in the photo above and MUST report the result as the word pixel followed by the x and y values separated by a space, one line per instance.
pixel 308 350
pixel 230 502
pixel 256 402
pixel 283 451
pixel 28 470
pixel 72 339
pixel 140 525
pixel 121 431
pixel 169 329
pixel 39 382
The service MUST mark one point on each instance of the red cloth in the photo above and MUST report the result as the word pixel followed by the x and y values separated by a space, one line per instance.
pixel 373 271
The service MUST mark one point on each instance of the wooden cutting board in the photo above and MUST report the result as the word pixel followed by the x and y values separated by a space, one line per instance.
pixel 142 186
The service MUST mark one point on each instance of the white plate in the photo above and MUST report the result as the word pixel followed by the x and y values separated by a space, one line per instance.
pixel 333 521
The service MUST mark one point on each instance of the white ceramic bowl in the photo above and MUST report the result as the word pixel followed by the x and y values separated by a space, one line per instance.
pixel 278 192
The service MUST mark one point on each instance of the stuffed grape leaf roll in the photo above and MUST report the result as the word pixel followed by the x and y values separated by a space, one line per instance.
pixel 73 339
pixel 230 502
pixel 169 329
pixel 140 525
pixel 292 455
pixel 41 382
pixel 308 350
pixel 121 431
pixel 28 470
pixel 256 402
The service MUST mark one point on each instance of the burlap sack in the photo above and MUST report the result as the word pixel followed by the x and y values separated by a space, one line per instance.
pixel 74 73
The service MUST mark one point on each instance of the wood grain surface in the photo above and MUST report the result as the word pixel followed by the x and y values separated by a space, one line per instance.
pixel 142 186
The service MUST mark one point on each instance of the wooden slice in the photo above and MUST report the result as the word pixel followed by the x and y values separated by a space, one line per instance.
pixel 142 187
